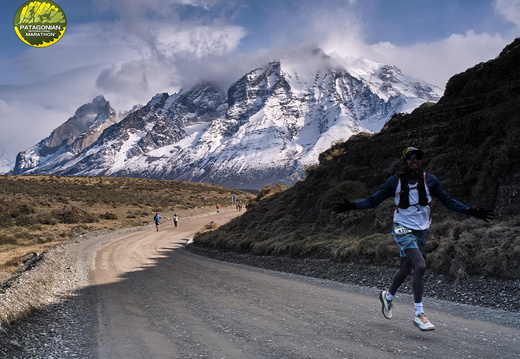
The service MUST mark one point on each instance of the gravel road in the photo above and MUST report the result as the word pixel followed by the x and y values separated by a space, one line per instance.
pixel 137 293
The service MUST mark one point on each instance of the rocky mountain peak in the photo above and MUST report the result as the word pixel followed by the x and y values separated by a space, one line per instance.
pixel 269 125
pixel 73 136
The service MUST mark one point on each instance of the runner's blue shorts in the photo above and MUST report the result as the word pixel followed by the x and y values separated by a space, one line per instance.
pixel 408 238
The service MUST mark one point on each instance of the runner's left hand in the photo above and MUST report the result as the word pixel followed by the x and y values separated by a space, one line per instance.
pixel 481 213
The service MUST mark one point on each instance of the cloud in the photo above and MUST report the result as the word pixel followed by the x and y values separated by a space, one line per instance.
pixel 438 61
pixel 326 24
pixel 509 9
pixel 339 31
pixel 162 26
pixel 35 119
pixel 29 113
pixel 158 69
pixel 165 36
pixel 83 45
pixel 199 41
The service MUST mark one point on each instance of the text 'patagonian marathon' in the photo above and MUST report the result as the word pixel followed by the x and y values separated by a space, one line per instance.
pixel 40 27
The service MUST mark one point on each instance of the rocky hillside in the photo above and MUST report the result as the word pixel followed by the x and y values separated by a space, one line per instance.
pixel 470 139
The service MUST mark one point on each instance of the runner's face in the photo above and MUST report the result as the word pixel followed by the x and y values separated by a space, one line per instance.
pixel 414 164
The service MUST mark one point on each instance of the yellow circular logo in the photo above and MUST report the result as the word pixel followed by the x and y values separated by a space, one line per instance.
pixel 40 23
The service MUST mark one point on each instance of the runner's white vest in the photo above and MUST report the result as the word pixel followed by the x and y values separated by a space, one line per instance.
pixel 416 216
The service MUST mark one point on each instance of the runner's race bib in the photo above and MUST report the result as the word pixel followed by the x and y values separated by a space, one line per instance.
pixel 401 231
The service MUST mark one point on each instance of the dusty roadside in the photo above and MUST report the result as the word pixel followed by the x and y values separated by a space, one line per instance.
pixel 54 291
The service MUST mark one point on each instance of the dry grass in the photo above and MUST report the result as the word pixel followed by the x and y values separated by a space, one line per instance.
pixel 299 222
pixel 38 212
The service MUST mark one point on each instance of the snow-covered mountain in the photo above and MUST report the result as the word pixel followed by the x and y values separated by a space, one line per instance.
pixel 69 139
pixel 270 125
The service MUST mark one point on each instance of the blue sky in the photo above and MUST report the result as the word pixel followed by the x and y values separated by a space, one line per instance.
pixel 129 50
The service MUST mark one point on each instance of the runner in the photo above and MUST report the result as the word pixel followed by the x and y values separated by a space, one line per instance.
pixel 157 219
pixel 412 192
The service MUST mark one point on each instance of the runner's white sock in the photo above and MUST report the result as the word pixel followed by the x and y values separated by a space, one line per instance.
pixel 389 296
pixel 418 308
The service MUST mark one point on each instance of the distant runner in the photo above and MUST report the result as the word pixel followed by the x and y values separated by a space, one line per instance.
pixel 157 219
pixel 412 192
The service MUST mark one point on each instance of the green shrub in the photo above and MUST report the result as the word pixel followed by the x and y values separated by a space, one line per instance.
pixel 21 210
pixel 73 214
pixel 7 239
pixel 347 190
pixel 47 218
pixel 109 216
pixel 490 252
pixel 24 220
pixel 5 220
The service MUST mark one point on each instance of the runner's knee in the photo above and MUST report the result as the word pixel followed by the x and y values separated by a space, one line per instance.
pixel 420 268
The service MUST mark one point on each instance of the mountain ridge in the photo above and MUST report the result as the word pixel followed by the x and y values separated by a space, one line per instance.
pixel 267 127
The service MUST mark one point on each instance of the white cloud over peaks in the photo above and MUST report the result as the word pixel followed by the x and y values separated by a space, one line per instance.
pixel 509 9
pixel 157 24
pixel 137 80
pixel 166 34
pixel 204 4
pixel 437 62
pixel 198 41
pixel 323 25
pixel 35 119
pixel 340 31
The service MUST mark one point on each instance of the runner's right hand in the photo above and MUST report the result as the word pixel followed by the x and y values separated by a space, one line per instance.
pixel 344 206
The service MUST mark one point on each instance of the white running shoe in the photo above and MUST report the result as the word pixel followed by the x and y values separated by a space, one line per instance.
pixel 423 323
pixel 387 305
